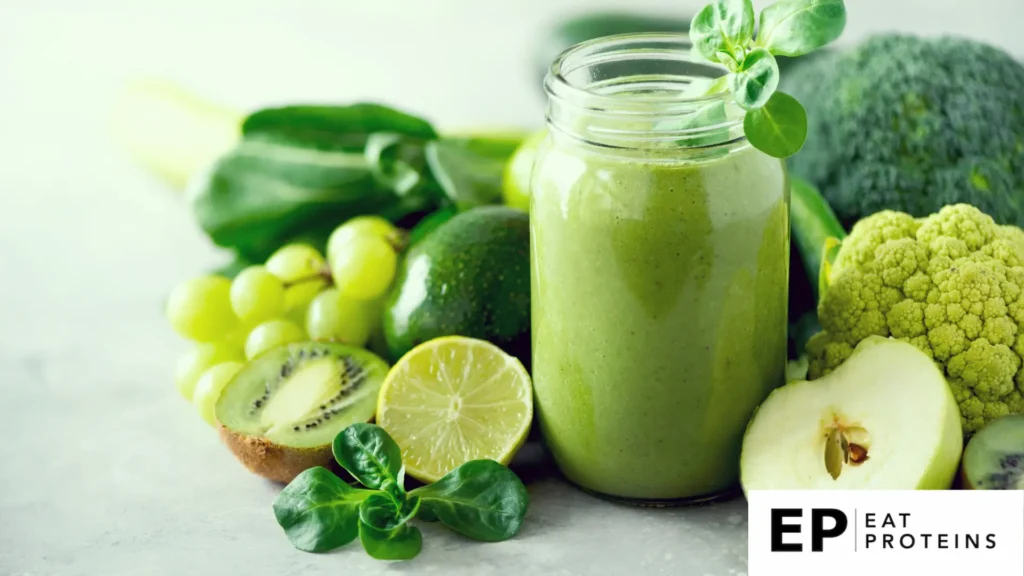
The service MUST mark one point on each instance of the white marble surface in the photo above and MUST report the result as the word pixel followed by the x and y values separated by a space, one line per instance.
pixel 103 469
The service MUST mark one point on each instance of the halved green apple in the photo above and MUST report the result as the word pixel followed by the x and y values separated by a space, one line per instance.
pixel 885 419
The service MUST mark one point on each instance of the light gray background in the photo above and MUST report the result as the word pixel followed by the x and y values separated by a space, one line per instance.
pixel 104 470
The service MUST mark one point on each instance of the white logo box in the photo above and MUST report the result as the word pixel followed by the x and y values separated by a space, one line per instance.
pixel 905 533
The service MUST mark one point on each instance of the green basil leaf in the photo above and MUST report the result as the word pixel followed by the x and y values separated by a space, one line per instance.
pixel 402 543
pixel 345 127
pixel 381 511
pixel 796 27
pixel 319 511
pixel 778 128
pixel 722 27
pixel 480 499
pixel 369 454
pixel 470 170
pixel 756 80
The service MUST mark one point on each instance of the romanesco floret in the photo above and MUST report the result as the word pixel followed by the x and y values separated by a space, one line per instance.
pixel 950 284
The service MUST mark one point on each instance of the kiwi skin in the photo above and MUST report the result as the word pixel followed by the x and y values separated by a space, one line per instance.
pixel 274 462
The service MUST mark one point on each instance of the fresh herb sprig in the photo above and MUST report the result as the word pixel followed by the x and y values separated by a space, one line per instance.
pixel 320 512
pixel 723 32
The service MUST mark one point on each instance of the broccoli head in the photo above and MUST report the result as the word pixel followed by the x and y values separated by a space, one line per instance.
pixel 913 124
pixel 950 284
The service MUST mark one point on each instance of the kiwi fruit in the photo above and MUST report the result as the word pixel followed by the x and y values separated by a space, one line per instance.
pixel 281 412
pixel 994 457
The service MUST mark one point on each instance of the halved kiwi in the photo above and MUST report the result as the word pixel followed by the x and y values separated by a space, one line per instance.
pixel 994 457
pixel 281 412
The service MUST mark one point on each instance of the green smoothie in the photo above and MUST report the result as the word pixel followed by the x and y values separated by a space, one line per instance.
pixel 659 313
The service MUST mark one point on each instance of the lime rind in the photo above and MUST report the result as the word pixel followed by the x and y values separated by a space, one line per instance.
pixel 455 399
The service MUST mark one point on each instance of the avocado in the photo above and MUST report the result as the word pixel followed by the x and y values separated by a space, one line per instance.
pixel 469 277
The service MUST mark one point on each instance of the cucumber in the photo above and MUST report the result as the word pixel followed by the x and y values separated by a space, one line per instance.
pixel 816 232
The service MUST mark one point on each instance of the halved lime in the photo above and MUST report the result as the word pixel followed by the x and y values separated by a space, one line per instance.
pixel 455 399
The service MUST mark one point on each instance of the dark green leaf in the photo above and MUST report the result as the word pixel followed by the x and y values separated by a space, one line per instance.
pixel 336 127
pixel 778 128
pixel 369 454
pixel 383 512
pixel 270 189
pixel 722 27
pixel 318 511
pixel 402 543
pixel 796 27
pixel 470 170
pixel 756 80
pixel 480 499
pixel 397 162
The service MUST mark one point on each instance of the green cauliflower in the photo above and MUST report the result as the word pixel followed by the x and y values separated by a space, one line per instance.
pixel 951 285
pixel 913 124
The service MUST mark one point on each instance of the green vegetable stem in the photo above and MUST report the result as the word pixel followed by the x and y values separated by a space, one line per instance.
pixel 723 32
pixel 319 512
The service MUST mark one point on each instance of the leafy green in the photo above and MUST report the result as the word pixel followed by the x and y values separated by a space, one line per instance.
pixel 318 511
pixel 775 123
pixel 756 80
pixel 346 127
pixel 480 499
pixel 797 27
pixel 382 511
pixel 369 454
pixel 299 172
pixel 721 27
pixel 469 170
pixel 402 543
pixel 778 128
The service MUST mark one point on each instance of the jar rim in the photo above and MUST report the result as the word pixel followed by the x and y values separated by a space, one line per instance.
pixel 637 90
pixel 617 46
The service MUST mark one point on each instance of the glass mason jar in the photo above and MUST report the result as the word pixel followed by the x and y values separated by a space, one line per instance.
pixel 660 260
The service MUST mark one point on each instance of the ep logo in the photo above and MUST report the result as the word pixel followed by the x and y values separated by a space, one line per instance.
pixel 824 523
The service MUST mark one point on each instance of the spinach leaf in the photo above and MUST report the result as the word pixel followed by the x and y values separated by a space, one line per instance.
pixel 796 27
pixel 481 499
pixel 756 80
pixel 778 128
pixel 470 170
pixel 721 27
pixel 370 455
pixel 336 126
pixel 384 530
pixel 300 171
pixel 382 511
pixel 402 543
pixel 318 511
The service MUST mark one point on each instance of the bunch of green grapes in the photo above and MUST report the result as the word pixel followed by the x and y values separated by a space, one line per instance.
pixel 296 295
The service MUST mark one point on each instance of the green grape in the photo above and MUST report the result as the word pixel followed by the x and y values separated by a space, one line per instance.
pixel 271 334
pixel 359 227
pixel 209 387
pixel 294 262
pixel 332 316
pixel 365 268
pixel 193 363
pixel 257 295
pixel 200 308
